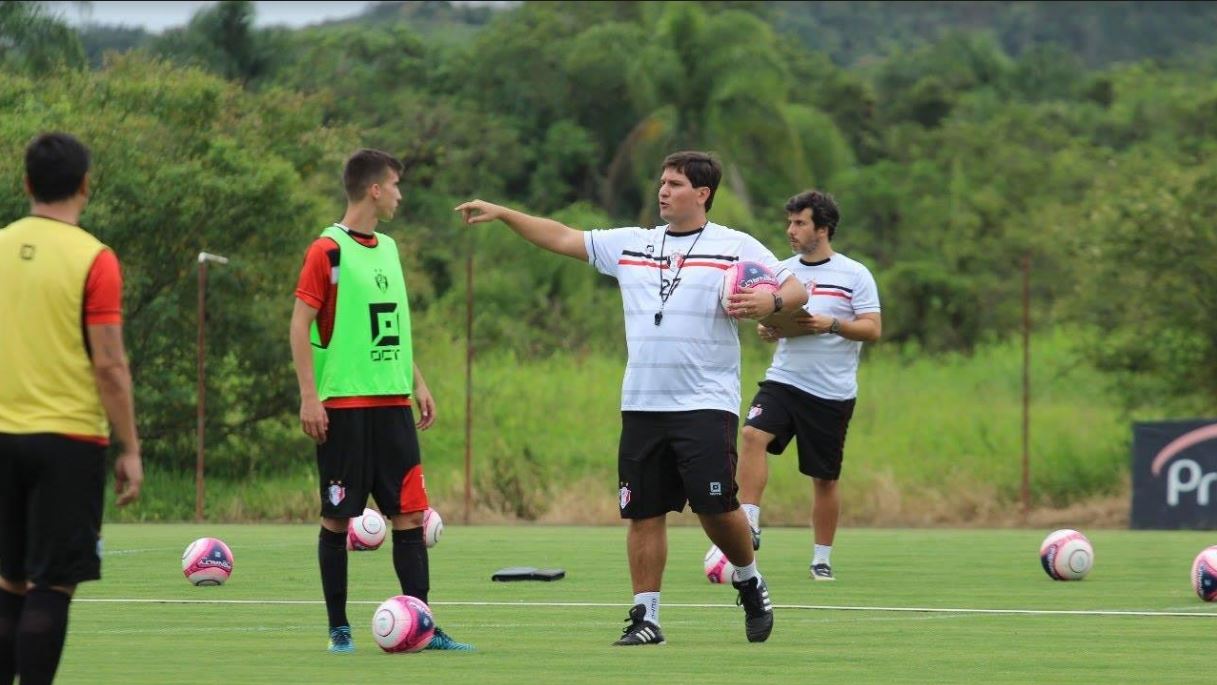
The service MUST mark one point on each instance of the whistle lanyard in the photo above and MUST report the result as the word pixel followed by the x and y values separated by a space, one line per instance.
pixel 663 297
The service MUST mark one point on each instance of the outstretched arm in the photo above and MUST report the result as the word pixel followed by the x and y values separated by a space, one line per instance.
pixel 545 233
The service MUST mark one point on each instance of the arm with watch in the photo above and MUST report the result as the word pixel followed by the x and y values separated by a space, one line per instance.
pixel 865 328
pixel 757 304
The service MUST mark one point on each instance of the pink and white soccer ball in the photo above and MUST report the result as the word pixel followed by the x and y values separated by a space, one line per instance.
pixel 403 624
pixel 433 527
pixel 207 561
pixel 366 532
pixel 1066 555
pixel 1204 574
pixel 718 569
pixel 746 275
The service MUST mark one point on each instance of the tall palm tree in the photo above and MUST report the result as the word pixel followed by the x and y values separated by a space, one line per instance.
pixel 713 82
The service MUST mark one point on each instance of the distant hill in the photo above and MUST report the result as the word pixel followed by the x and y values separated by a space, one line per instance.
pixel 429 14
pixel 1097 32
pixel 855 33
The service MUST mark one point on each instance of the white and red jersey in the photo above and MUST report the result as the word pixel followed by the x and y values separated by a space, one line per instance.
pixel 826 365
pixel 691 359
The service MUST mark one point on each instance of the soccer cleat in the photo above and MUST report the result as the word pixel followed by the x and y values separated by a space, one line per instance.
pixel 340 640
pixel 821 572
pixel 442 640
pixel 640 631
pixel 758 610
pixel 756 537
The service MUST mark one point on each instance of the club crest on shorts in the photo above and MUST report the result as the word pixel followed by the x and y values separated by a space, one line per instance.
pixel 624 495
pixel 716 488
pixel 755 411
pixel 336 493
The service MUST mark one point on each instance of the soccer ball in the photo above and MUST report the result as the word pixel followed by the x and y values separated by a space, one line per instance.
pixel 1204 574
pixel 433 527
pixel 745 275
pixel 1066 555
pixel 207 561
pixel 718 568
pixel 402 624
pixel 366 532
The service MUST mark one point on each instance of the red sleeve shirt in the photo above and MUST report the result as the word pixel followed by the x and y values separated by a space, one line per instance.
pixel 317 287
pixel 103 303
pixel 103 306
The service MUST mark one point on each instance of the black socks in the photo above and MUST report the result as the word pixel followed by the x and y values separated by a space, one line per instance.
pixel 40 635
pixel 332 555
pixel 10 615
pixel 410 562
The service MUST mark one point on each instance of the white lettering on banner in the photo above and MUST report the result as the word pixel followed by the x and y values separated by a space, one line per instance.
pixel 1196 481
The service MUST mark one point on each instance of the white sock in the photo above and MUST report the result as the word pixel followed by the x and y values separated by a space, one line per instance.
pixel 748 572
pixel 753 512
pixel 650 600
pixel 821 554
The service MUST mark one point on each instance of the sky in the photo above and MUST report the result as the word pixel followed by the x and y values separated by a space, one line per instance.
pixel 158 16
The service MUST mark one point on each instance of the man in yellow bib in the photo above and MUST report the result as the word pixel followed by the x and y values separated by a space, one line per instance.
pixel 64 374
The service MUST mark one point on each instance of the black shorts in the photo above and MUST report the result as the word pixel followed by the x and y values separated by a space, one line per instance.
pixel 51 496
pixel 666 458
pixel 370 451
pixel 820 425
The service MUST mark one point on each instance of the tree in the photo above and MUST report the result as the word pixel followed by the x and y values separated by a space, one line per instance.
pixel 1147 286
pixel 220 38
pixel 34 41
pixel 185 162
pixel 717 82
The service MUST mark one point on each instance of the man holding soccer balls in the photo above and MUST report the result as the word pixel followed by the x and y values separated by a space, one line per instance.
pixel 680 396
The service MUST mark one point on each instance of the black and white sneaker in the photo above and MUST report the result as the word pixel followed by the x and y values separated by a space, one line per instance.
pixel 640 631
pixel 756 537
pixel 758 610
pixel 821 572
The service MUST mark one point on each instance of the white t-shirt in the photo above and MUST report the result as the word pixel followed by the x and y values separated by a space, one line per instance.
pixel 691 359
pixel 826 365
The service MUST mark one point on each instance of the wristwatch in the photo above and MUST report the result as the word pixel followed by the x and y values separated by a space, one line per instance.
pixel 835 327
pixel 777 303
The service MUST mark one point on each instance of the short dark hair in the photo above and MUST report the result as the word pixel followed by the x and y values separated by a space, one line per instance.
pixel 824 212
pixel 55 164
pixel 702 170
pixel 366 167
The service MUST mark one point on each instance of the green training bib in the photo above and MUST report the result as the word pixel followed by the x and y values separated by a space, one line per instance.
pixel 370 351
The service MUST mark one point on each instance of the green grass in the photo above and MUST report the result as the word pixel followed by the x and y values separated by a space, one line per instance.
pixel 545 438
pixel 918 418
pixel 559 632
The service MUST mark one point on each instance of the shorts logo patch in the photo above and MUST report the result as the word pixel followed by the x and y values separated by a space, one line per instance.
pixel 755 411
pixel 624 495
pixel 336 493
pixel 716 488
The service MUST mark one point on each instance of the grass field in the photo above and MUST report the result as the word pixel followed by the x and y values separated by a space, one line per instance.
pixel 985 611
pixel 917 419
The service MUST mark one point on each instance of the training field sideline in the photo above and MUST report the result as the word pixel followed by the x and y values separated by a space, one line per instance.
pixel 924 605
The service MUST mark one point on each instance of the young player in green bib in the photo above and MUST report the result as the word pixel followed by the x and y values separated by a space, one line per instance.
pixel 359 386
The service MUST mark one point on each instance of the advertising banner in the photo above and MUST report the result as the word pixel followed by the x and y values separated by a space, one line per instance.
pixel 1174 475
